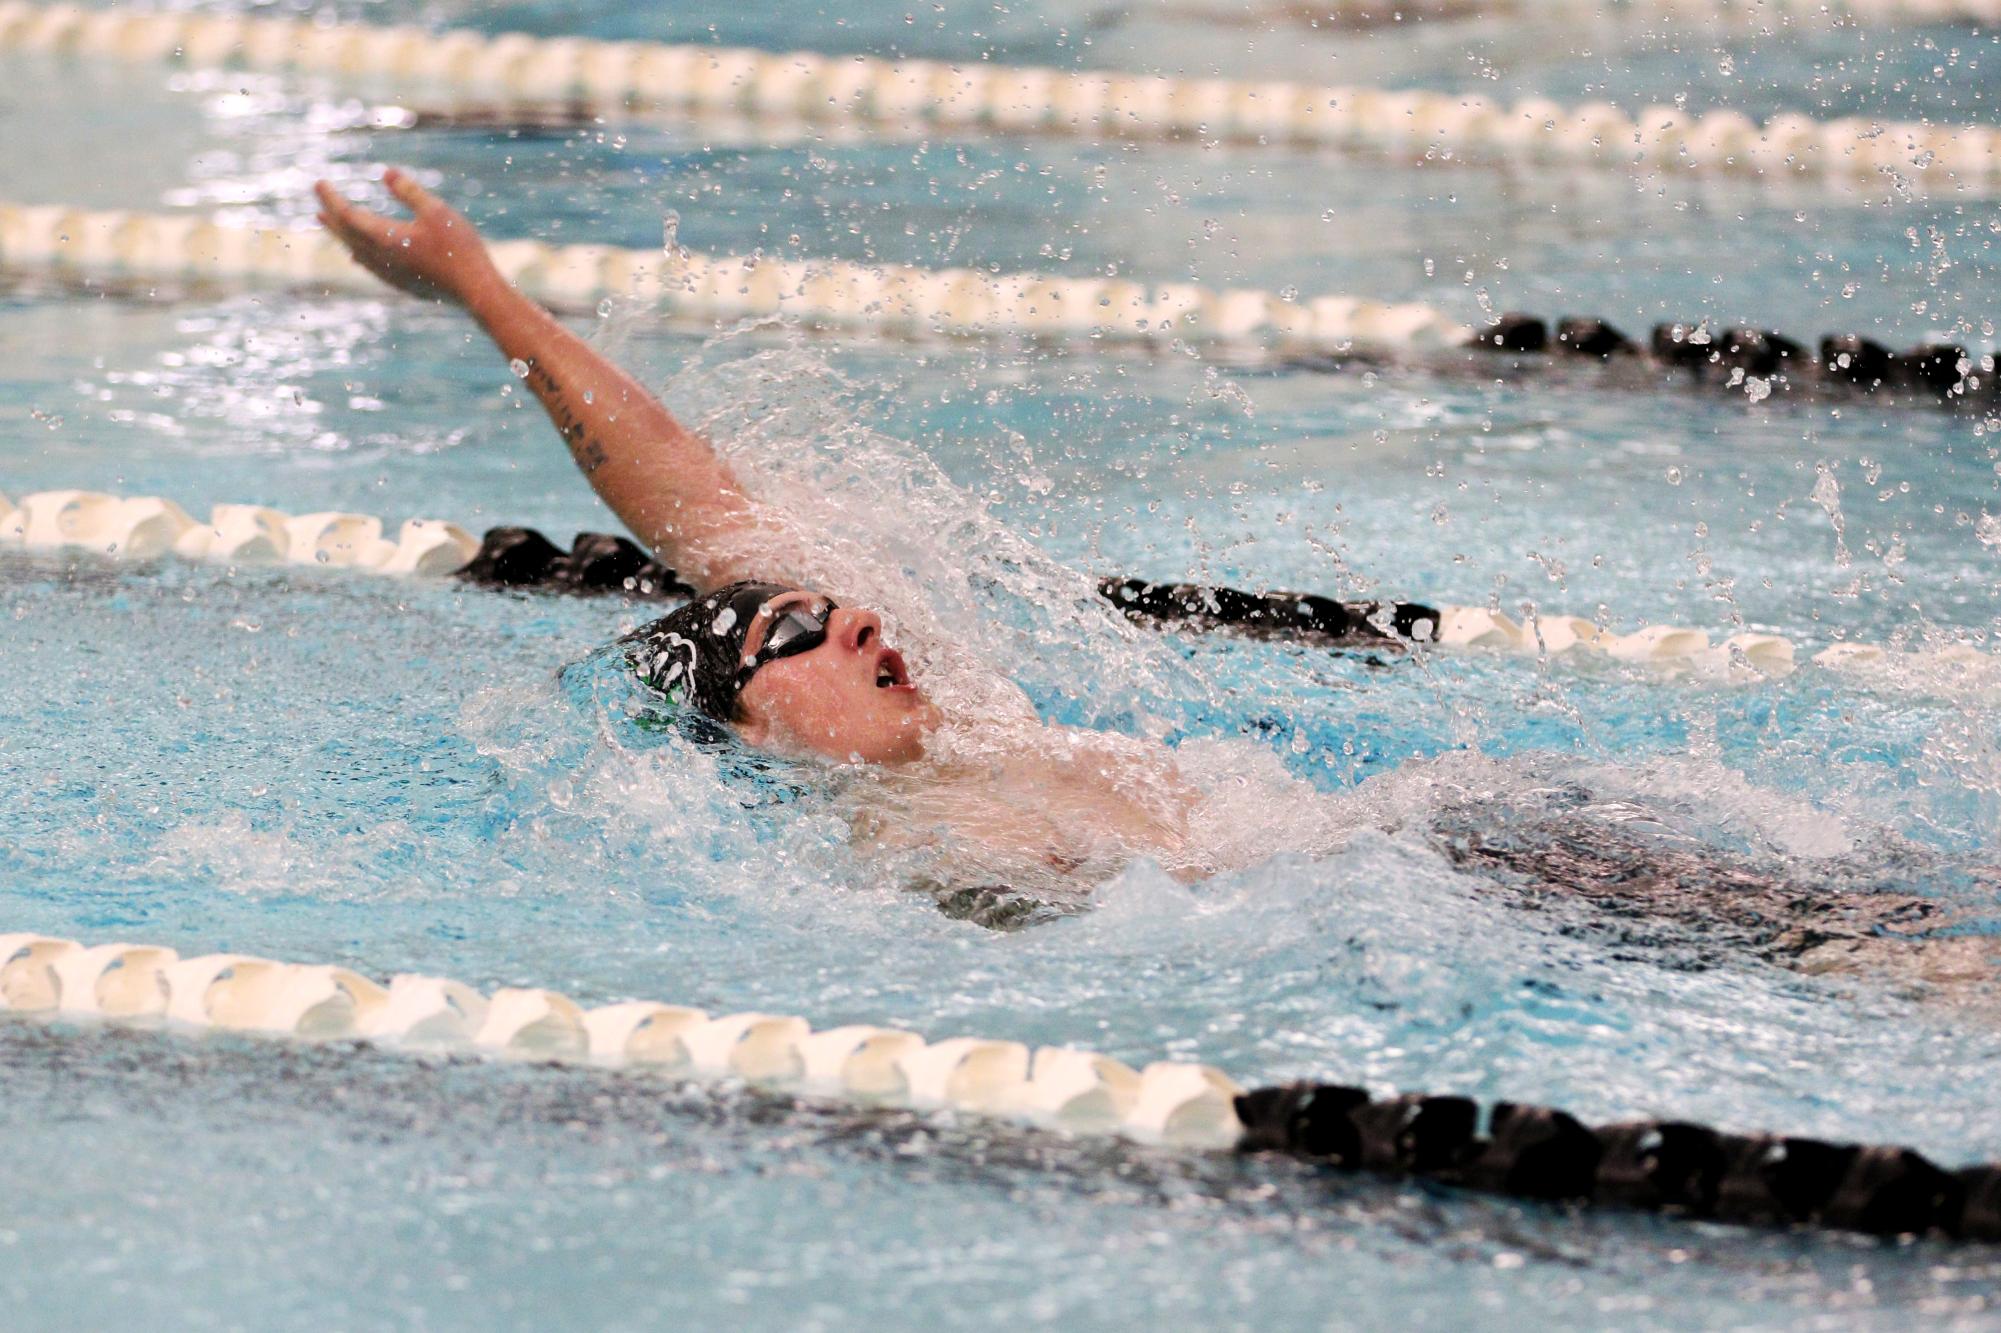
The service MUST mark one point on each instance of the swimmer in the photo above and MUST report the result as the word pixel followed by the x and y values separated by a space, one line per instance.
pixel 785 663
pixel 957 760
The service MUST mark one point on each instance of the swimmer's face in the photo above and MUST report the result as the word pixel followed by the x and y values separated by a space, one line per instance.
pixel 848 698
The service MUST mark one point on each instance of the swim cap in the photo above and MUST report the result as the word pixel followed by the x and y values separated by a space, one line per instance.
pixel 694 655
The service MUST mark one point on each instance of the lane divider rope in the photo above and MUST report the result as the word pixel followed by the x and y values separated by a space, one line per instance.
pixel 827 293
pixel 1172 1102
pixel 1407 124
pixel 903 301
pixel 1385 13
pixel 1675 1167
pixel 148 527
pixel 1531 1152
pixel 151 527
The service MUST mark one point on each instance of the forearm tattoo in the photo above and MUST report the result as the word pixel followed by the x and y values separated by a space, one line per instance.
pixel 585 447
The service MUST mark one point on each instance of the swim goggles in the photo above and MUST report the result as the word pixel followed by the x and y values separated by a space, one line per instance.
pixel 798 628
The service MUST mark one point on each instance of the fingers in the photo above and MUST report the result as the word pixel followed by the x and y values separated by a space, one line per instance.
pixel 337 214
pixel 333 208
pixel 356 225
pixel 408 193
pixel 341 209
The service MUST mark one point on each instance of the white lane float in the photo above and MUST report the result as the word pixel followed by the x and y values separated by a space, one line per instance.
pixel 516 69
pixel 643 1032
pixel 889 299
pixel 424 1011
pixel 1079 1090
pixel 1375 12
pixel 28 981
pixel 970 1073
pixel 1073 1091
pixel 1560 634
pixel 1184 1103
pixel 1656 643
pixel 859 1060
pixel 143 527
pixel 1476 627
pixel 146 527
pixel 1744 658
pixel 113 980
pixel 337 539
pixel 762 1048
pixel 140 528
pixel 533 1023
pixel 237 534
pixel 1945 670
pixel 247 994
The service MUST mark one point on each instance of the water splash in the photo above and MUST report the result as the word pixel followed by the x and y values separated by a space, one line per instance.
pixel 1826 493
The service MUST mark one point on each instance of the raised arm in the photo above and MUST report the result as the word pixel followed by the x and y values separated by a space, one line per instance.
pixel 663 481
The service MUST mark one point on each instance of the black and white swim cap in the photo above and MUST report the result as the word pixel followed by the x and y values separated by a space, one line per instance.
pixel 694 655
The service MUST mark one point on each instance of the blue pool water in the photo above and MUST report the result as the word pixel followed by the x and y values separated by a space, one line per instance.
pixel 417 776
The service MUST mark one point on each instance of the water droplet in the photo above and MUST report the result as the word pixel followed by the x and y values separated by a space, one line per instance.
pixel 519 367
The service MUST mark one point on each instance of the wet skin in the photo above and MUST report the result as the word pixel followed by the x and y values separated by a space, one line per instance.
pixel 1031 793
pixel 1001 794
pixel 849 699
pixel 1043 797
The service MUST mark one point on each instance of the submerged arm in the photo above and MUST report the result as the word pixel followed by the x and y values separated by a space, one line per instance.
pixel 663 481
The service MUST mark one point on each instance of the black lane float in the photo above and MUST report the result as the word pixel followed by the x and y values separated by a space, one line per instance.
pixel 599 562
pixel 1667 1166
pixel 1535 1153
pixel 1759 362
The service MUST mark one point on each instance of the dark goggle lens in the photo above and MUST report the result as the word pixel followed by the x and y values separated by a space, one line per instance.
pixel 797 630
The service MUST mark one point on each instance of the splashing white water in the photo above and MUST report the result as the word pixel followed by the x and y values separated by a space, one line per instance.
pixel 982 611
pixel 872 521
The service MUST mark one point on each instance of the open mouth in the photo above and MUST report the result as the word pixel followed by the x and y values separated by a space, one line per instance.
pixel 889 671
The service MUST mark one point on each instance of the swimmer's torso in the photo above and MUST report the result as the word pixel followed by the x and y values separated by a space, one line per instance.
pixel 1035 805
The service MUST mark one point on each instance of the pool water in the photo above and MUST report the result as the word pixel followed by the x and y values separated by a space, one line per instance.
pixel 399 776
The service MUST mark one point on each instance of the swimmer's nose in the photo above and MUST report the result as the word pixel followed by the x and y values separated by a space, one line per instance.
pixel 855 629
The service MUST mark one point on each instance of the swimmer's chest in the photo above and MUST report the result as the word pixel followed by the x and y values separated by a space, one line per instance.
pixel 1061 808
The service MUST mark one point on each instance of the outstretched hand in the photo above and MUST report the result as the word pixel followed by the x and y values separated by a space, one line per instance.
pixel 436 254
